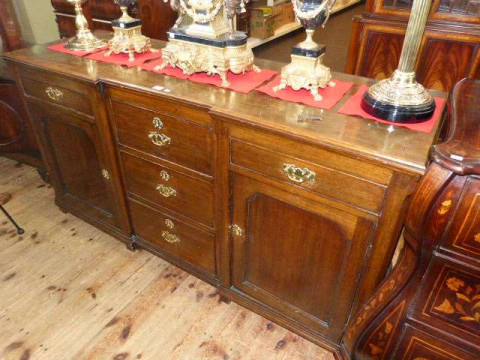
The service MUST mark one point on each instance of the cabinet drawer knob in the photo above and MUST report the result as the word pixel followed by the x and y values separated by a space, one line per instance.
pixel 170 238
pixel 159 139
pixel 54 93
pixel 297 174
pixel 166 191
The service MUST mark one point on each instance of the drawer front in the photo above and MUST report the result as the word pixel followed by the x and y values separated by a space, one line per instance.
pixel 170 189
pixel 183 142
pixel 57 90
pixel 307 175
pixel 173 236
pixel 417 345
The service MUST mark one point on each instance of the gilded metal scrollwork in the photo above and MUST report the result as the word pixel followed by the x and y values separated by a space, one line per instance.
pixel 54 94
pixel 297 174
pixel 159 139
pixel 170 238
pixel 166 191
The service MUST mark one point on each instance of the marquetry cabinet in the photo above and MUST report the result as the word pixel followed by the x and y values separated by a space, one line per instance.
pixel 429 306
pixel 292 217
pixel 451 41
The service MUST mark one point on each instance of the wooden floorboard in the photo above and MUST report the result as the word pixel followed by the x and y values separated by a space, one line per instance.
pixel 69 291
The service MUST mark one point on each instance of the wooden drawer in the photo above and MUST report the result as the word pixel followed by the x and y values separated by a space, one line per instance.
pixel 308 175
pixel 57 90
pixel 183 142
pixel 418 345
pixel 173 236
pixel 170 189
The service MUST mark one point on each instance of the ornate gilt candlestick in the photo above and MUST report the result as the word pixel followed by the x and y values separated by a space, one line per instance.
pixel 208 44
pixel 401 98
pixel 84 40
pixel 128 36
pixel 306 71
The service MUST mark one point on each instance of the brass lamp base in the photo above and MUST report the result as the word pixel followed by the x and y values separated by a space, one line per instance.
pixel 195 57
pixel 85 41
pixel 129 41
pixel 399 99
pixel 305 72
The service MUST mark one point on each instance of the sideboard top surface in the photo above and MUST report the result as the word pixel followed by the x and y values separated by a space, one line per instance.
pixel 401 148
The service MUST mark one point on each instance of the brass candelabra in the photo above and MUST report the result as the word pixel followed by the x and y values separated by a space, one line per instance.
pixel 84 39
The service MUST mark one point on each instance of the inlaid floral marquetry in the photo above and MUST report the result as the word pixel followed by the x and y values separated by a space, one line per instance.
pixel 445 208
pixel 477 237
pixel 464 234
pixel 377 345
pixel 457 300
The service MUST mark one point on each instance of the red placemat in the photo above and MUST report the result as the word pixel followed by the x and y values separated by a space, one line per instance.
pixel 175 72
pixel 331 95
pixel 122 59
pixel 61 48
pixel 352 107
pixel 242 83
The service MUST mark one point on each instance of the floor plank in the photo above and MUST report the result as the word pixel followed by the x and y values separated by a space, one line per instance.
pixel 69 291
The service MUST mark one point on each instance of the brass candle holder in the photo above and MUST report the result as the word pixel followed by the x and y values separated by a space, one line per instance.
pixel 128 38
pixel 401 98
pixel 84 40
pixel 306 70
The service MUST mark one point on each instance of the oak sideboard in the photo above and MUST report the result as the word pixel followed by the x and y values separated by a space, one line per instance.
pixel 292 212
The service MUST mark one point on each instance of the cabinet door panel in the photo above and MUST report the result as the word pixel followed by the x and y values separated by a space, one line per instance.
pixel 73 149
pixel 297 256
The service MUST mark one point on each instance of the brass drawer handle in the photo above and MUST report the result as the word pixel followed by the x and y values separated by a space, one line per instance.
pixel 297 174
pixel 159 139
pixel 54 94
pixel 171 238
pixel 166 191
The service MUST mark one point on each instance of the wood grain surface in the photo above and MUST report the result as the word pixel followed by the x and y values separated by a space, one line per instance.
pixel 69 291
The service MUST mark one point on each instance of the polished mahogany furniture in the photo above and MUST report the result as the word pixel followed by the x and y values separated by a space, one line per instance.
pixel 14 129
pixel 291 212
pixel 157 16
pixel 451 41
pixel 429 306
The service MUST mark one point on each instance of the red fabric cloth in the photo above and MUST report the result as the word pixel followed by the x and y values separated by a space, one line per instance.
pixel 353 107
pixel 175 72
pixel 331 95
pixel 243 83
pixel 122 59
pixel 61 48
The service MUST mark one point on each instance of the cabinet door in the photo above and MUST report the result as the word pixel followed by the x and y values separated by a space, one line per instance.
pixel 298 257
pixel 74 159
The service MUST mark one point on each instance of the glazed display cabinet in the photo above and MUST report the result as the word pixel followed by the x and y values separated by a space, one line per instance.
pixel 451 41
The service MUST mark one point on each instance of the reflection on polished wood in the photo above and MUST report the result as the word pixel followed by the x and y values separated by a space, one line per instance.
pixel 281 206
pixel 69 291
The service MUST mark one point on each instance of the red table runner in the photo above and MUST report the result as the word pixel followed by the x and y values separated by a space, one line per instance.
pixel 243 83
pixel 331 95
pixel 352 107
pixel 122 59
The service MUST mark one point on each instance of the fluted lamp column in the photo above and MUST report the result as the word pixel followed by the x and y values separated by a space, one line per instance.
pixel 401 98
pixel 84 40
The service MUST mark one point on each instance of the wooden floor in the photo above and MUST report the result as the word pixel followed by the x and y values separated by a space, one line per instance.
pixel 69 291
